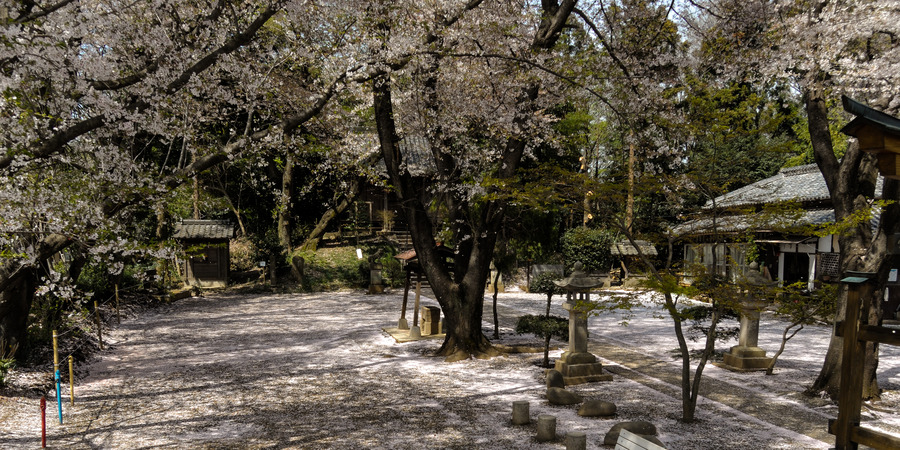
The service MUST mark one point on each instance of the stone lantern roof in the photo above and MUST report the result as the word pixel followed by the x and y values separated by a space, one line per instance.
pixel 578 281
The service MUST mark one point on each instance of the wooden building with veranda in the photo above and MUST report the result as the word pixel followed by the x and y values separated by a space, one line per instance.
pixel 206 245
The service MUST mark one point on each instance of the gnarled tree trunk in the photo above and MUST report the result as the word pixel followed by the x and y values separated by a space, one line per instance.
pixel 851 183
pixel 15 306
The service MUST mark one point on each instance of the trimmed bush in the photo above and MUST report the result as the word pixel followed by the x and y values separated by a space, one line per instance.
pixel 590 246
pixel 543 284
pixel 545 327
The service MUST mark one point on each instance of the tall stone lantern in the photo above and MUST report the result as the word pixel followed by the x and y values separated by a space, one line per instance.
pixel 577 365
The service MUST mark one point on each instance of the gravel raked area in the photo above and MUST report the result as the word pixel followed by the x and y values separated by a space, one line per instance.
pixel 317 371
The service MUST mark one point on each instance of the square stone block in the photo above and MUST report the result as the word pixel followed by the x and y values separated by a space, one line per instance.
pixel 430 313
pixel 429 328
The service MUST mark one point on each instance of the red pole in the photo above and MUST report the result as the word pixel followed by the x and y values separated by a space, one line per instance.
pixel 43 422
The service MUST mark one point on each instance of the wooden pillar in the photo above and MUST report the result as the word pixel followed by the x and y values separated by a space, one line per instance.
pixel 852 361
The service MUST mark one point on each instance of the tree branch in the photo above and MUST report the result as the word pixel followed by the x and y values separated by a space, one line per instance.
pixel 58 141
pixel 43 12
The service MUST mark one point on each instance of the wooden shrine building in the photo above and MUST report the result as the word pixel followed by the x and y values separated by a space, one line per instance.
pixel 206 247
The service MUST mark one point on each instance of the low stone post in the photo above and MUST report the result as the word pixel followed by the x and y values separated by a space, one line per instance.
pixel 576 440
pixel 546 428
pixel 520 412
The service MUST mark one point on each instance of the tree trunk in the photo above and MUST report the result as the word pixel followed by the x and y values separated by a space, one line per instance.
pixel 284 204
pixel 784 340
pixel 546 351
pixel 460 294
pixel 851 182
pixel 196 200
pixel 17 285
pixel 629 202
pixel 329 215
pixel 460 289
pixel 463 311
pixel 298 264
pixel 496 319
pixel 15 306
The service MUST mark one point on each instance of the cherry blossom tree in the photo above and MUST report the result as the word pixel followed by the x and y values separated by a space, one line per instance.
pixel 472 94
pixel 93 94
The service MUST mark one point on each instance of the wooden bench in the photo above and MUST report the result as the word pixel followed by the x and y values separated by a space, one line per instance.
pixel 630 441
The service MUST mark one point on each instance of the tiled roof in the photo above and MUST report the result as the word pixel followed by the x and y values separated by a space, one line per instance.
pixel 417 157
pixel 739 223
pixel 802 183
pixel 204 229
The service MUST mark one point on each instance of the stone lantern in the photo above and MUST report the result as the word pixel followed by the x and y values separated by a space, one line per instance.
pixel 577 365
pixel 376 280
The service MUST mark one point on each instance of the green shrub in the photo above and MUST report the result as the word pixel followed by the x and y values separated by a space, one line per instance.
pixel 95 278
pixel 590 246
pixel 7 361
pixel 329 269
pixel 392 272
pixel 544 284
pixel 243 254
pixel 545 327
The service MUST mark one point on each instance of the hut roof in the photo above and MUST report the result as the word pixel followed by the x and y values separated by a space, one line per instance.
pixel 624 248
pixel 204 229
pixel 417 157
pixel 802 183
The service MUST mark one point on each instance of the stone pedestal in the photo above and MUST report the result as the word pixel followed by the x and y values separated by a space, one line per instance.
pixel 376 281
pixel 431 320
pixel 577 365
pixel 747 355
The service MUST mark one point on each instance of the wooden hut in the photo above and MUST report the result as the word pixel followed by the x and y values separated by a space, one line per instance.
pixel 206 247
pixel 627 254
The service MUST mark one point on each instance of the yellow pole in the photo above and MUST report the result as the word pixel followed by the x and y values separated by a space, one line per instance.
pixel 118 318
pixel 97 319
pixel 55 352
pixel 71 380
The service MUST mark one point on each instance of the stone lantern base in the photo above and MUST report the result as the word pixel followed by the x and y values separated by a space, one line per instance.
pixel 580 368
pixel 747 356
pixel 746 359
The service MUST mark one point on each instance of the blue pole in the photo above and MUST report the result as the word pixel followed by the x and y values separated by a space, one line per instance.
pixel 58 397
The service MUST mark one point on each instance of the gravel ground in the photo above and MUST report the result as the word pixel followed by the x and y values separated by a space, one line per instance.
pixel 317 371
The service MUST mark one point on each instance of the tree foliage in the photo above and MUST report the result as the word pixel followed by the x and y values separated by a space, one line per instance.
pixel 591 246
pixel 545 327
